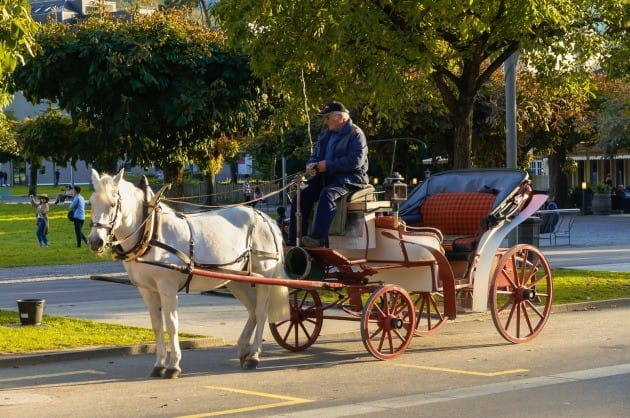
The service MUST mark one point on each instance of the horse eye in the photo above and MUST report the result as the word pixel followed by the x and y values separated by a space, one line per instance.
pixel 113 205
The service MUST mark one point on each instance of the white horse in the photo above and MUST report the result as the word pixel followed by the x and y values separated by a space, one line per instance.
pixel 149 236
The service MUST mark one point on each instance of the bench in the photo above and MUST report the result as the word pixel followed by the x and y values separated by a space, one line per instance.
pixel 556 224
pixel 5 192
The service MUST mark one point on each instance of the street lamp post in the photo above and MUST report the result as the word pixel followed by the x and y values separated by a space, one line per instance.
pixel 583 198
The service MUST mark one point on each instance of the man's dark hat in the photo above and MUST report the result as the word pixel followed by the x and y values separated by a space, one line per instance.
pixel 333 107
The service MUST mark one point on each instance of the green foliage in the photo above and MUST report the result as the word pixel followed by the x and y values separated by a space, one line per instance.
pixel 602 188
pixel 46 136
pixel 155 90
pixel 9 147
pixel 17 31
pixel 384 58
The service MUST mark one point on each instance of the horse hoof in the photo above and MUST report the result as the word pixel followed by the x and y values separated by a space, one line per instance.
pixel 172 374
pixel 158 372
pixel 251 364
pixel 242 361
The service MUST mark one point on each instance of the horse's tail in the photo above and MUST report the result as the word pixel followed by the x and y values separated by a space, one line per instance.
pixel 279 309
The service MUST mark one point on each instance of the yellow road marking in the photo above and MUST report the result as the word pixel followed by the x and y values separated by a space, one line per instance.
pixel 43 376
pixel 443 369
pixel 287 400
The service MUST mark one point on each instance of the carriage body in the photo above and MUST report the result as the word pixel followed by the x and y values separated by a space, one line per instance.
pixel 447 245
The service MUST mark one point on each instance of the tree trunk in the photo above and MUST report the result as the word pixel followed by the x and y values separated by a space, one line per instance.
pixel 462 134
pixel 234 171
pixel 32 181
pixel 211 189
pixel 558 182
pixel 272 166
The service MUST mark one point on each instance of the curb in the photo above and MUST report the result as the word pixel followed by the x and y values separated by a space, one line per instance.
pixel 93 353
pixel 210 342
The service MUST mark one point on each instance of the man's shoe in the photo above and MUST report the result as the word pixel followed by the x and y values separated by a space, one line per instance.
pixel 312 242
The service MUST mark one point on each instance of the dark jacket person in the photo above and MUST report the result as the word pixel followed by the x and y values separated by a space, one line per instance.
pixel 339 164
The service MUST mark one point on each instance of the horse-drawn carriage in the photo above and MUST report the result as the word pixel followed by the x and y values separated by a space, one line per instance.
pixel 399 267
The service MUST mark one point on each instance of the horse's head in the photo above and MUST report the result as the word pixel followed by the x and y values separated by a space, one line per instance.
pixel 106 209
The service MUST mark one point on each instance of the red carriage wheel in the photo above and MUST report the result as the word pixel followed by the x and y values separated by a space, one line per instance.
pixel 521 293
pixel 302 329
pixel 387 322
pixel 429 312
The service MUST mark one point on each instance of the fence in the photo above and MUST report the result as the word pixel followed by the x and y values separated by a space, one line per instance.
pixel 230 193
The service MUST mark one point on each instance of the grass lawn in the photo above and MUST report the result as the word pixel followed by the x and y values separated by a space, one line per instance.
pixel 67 333
pixel 19 246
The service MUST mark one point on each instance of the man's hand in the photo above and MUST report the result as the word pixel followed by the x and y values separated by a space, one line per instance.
pixel 311 169
pixel 321 166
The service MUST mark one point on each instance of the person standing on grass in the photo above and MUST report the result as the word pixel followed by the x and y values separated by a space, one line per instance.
pixel 77 207
pixel 42 210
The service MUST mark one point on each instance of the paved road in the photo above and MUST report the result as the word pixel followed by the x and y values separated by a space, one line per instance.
pixel 579 366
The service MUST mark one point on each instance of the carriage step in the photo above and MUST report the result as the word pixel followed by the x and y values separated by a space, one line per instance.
pixel 118 280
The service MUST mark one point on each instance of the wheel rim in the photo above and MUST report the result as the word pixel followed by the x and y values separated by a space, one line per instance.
pixel 429 312
pixel 387 322
pixel 302 329
pixel 521 294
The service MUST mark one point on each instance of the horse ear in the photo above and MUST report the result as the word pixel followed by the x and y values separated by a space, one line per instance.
pixel 144 182
pixel 119 176
pixel 96 179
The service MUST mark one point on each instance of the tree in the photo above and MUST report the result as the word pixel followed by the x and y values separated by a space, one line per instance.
pixel 8 145
pixel 17 31
pixel 386 56
pixel 156 90
pixel 47 136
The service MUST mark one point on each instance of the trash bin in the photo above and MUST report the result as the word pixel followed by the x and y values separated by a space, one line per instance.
pixel 529 232
pixel 31 311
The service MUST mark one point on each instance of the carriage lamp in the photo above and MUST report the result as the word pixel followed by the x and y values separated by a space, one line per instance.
pixel 395 188
pixel 395 192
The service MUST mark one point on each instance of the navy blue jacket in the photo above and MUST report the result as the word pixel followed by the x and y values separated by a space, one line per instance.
pixel 349 164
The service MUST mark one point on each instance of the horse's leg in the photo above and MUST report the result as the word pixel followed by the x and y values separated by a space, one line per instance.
pixel 262 308
pixel 152 301
pixel 171 320
pixel 245 294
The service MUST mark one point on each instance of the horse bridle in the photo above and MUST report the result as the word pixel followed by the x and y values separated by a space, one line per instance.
pixel 112 221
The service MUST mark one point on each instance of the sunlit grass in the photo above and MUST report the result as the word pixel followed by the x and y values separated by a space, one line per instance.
pixel 19 245
pixel 67 333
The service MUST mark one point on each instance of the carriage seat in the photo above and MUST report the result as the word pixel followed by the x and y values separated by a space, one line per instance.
pixel 459 217
pixel 353 202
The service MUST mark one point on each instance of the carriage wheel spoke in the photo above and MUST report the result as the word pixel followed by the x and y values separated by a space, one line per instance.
pixel 379 329
pixel 515 270
pixel 529 324
pixel 535 309
pixel 518 320
pixel 507 302
pixel 524 264
pixel 507 323
pixel 308 335
pixel 535 282
pixel 508 277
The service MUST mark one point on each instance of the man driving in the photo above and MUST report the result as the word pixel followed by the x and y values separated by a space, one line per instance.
pixel 338 165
